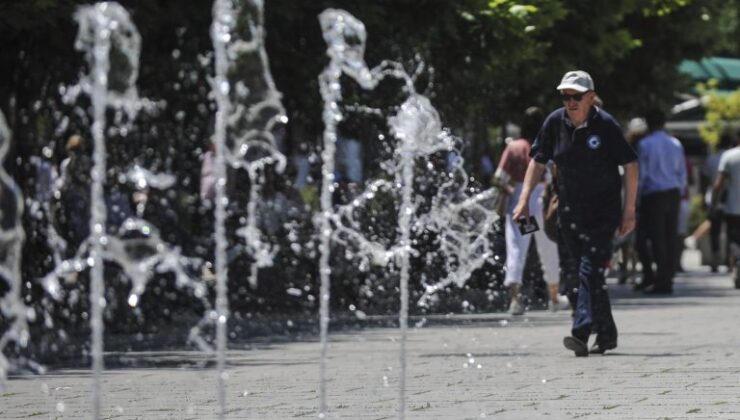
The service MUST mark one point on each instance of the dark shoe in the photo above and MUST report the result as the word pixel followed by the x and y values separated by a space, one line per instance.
pixel 653 290
pixel 623 278
pixel 640 286
pixel 599 348
pixel 576 345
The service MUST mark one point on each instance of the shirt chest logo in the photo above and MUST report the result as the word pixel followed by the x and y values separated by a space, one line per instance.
pixel 594 142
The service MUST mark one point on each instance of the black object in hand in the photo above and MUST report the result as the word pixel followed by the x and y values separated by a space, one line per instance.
pixel 527 226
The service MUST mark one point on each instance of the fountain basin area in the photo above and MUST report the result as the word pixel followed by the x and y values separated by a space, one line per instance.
pixel 677 358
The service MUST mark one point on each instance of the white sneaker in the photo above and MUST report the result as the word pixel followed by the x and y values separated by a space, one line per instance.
pixel 562 305
pixel 689 242
pixel 516 308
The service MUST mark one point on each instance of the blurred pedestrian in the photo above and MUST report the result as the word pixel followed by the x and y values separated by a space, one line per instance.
pixel 636 131
pixel 588 147
pixel 75 192
pixel 709 173
pixel 728 179
pixel 509 176
pixel 662 179
pixel 684 210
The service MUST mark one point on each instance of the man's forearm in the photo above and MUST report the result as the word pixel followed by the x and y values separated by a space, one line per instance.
pixel 631 176
pixel 719 186
pixel 531 178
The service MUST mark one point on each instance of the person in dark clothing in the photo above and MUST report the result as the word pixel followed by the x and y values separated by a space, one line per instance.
pixel 728 179
pixel 716 218
pixel 588 146
pixel 662 178
pixel 75 193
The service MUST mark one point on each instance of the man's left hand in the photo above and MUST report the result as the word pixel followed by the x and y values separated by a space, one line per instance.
pixel 628 223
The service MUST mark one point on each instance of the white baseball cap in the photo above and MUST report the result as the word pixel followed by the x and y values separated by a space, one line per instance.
pixel 577 80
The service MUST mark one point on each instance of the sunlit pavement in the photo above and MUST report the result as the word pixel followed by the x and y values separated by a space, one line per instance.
pixel 678 358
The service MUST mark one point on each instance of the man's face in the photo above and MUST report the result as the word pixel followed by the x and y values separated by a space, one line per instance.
pixel 577 104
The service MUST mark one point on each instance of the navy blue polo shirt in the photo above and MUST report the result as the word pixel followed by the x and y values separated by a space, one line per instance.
pixel 588 160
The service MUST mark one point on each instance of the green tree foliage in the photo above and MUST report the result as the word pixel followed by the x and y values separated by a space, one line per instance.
pixel 484 61
pixel 664 33
pixel 722 113
pixel 491 59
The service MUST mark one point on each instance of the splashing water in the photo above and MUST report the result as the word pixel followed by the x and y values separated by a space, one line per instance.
pixel 11 243
pixel 101 26
pixel 246 117
pixel 464 228
pixel 462 222
pixel 248 112
pixel 137 247
pixel 345 37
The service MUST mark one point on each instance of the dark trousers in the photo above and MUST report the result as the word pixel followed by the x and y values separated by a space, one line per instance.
pixel 569 282
pixel 733 236
pixel 592 248
pixel 658 238
pixel 716 219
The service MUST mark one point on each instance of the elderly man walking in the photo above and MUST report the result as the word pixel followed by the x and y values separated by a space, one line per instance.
pixel 588 146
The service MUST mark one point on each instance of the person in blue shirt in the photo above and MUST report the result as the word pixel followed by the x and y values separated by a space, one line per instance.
pixel 662 178
pixel 588 147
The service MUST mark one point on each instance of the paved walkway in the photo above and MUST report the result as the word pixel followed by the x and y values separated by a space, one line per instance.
pixel 678 358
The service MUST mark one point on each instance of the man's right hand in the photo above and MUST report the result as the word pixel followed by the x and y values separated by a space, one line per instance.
pixel 521 211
